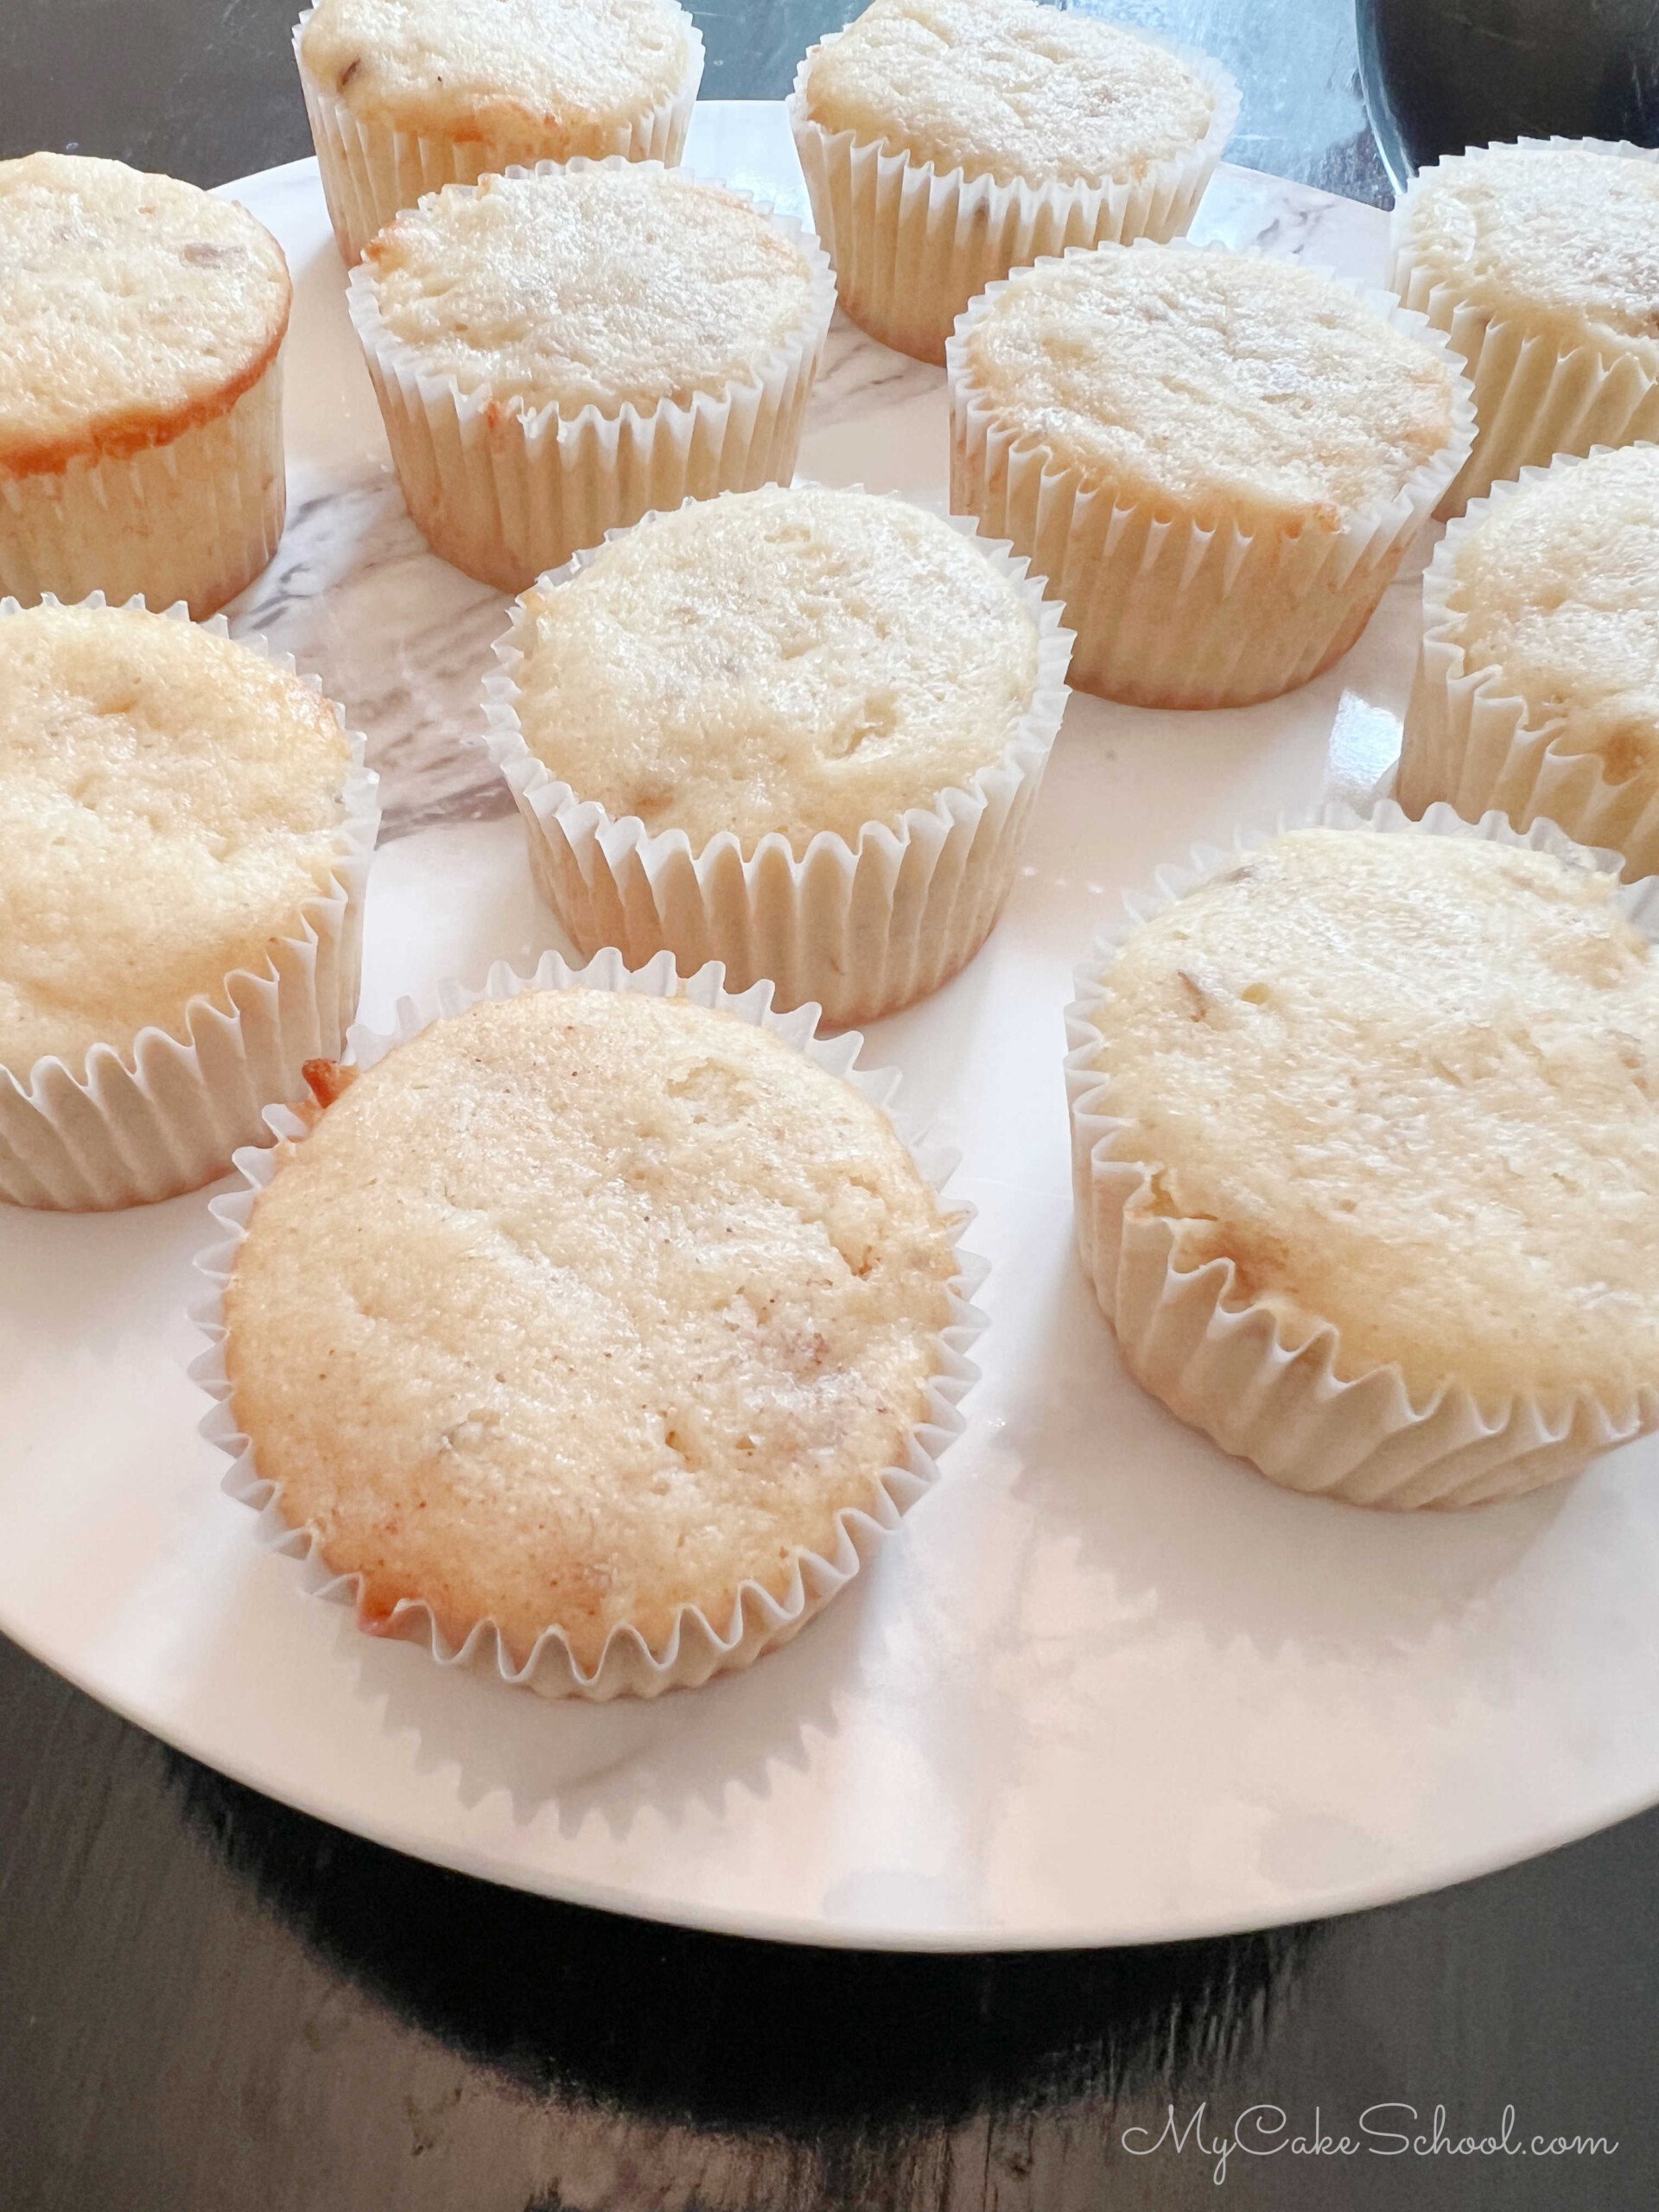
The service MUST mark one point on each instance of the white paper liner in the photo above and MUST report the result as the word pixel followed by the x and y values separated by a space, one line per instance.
pixel 696 1647
pixel 863 928
pixel 164 1116
pixel 196 518
pixel 371 171
pixel 1170 613
pixel 1470 742
pixel 912 244
pixel 505 494
pixel 1534 396
pixel 1273 1396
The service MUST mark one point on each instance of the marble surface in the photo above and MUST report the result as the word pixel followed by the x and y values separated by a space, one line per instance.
pixel 1104 1685
pixel 399 637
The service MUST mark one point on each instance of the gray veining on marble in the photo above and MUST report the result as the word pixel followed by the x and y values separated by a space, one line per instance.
pixel 402 641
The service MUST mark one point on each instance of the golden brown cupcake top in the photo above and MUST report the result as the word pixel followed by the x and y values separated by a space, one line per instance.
pixel 583 1306
pixel 1409 1086
pixel 537 80
pixel 132 307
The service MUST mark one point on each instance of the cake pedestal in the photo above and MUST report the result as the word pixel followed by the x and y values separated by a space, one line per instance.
pixel 1105 1685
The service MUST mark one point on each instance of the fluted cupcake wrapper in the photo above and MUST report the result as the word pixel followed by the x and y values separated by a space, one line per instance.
pixel 165 1114
pixel 1309 1418
pixel 195 519
pixel 1473 744
pixel 758 1616
pixel 505 494
pixel 371 171
pixel 1535 396
pixel 912 244
pixel 862 927
pixel 1174 613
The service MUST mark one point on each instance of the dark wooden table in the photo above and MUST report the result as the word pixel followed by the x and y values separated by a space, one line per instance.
pixel 210 2003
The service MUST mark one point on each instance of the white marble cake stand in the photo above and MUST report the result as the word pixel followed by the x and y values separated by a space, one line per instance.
pixel 1106 1685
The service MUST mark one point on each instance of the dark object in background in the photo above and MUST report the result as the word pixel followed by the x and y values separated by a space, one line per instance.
pixel 1439 75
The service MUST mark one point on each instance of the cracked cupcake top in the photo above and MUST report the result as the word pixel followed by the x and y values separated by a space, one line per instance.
pixel 581 1307
pixel 1409 1086
pixel 780 660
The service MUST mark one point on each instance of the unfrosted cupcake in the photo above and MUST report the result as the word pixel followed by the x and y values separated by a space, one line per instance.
pixel 141 396
pixel 947 142
pixel 1217 460
pixel 610 1320
pixel 1541 262
pixel 185 829
pixel 406 96
pixel 797 731
pixel 556 353
pixel 1367 1156
pixel 1537 688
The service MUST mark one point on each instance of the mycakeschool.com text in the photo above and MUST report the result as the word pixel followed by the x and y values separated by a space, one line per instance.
pixel 1390 2129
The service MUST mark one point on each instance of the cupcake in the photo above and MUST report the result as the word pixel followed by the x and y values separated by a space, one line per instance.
pixel 1541 262
pixel 797 731
pixel 559 351
pixel 594 1326
pixel 185 829
pixel 1367 1156
pixel 141 390
pixel 1537 687
pixel 1217 460
pixel 406 96
pixel 947 142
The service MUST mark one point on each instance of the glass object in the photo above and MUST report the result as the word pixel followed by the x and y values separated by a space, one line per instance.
pixel 1439 75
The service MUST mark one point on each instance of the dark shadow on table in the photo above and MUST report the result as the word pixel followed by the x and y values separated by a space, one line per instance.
pixel 558 1998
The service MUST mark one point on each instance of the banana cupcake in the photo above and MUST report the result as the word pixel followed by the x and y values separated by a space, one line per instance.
pixel 599 1326
pixel 1217 460
pixel 1366 1146
pixel 141 396
pixel 185 829
pixel 1537 686
pixel 799 732
pixel 558 352
pixel 947 142
pixel 406 96
pixel 1541 262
